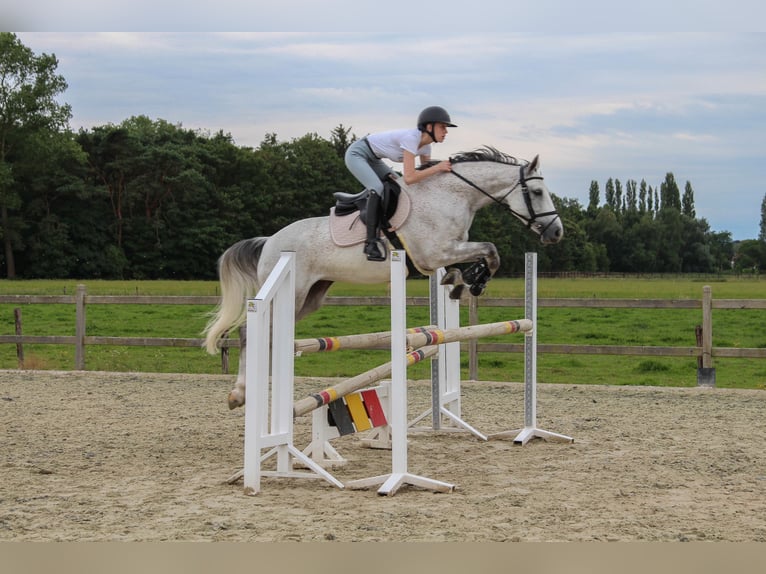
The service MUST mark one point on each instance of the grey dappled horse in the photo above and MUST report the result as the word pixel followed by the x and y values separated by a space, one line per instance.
pixel 435 235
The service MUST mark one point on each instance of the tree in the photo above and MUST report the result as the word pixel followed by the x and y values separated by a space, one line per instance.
pixel 670 195
pixel 618 197
pixel 722 250
pixel 762 233
pixel 593 198
pixel 642 205
pixel 631 196
pixel 751 256
pixel 687 201
pixel 609 195
pixel 340 139
pixel 49 179
pixel 606 230
pixel 28 89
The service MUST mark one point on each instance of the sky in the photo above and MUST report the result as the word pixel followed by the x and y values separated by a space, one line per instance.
pixel 596 103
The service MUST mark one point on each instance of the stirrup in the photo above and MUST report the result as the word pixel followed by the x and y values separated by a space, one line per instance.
pixel 372 248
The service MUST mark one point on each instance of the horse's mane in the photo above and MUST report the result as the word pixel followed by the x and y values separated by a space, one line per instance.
pixel 485 153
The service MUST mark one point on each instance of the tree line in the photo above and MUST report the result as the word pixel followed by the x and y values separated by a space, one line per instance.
pixel 147 199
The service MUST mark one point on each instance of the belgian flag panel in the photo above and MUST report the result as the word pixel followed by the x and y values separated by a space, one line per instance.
pixel 338 410
pixel 374 408
pixel 356 412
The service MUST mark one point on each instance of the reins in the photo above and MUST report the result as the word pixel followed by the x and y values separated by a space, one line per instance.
pixel 525 192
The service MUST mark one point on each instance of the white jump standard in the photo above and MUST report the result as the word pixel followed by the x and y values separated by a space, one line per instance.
pixel 530 430
pixel 399 475
pixel 270 410
pixel 269 423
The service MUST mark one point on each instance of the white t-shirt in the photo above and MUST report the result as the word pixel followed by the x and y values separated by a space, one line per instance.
pixel 391 145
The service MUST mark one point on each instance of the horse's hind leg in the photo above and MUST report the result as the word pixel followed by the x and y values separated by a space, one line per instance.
pixel 306 303
pixel 237 394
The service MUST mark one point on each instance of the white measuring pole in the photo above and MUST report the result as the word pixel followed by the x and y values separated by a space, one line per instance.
pixel 530 430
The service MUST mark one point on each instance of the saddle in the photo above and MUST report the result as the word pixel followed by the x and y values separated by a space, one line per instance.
pixel 347 203
pixel 348 217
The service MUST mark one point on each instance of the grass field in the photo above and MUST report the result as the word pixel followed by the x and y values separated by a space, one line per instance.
pixel 652 327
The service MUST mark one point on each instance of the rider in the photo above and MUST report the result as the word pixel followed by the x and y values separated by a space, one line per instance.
pixel 364 160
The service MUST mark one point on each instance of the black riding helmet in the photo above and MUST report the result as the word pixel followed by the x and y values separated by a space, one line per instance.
pixel 431 115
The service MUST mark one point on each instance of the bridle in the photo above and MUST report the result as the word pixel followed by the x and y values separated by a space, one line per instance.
pixel 532 219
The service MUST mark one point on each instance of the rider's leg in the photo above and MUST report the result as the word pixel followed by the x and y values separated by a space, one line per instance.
pixel 373 247
pixel 369 170
pixel 365 166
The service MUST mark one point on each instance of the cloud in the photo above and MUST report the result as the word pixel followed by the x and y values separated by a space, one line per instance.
pixel 497 16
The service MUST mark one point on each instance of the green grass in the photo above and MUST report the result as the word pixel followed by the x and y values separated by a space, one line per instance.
pixel 651 327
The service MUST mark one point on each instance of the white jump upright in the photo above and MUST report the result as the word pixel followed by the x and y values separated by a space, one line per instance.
pixel 399 475
pixel 269 382
pixel 530 430
pixel 445 408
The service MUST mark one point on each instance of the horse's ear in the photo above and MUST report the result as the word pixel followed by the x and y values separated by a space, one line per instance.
pixel 534 165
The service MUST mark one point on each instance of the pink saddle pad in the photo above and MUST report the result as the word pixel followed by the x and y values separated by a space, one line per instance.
pixel 347 230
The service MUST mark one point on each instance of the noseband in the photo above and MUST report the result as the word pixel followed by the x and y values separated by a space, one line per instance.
pixel 532 219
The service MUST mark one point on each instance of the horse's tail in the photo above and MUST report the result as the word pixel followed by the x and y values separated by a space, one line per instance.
pixel 237 271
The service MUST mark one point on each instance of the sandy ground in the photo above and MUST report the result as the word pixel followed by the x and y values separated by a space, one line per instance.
pixel 136 457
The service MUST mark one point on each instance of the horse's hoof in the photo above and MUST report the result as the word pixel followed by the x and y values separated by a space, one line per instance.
pixel 235 400
pixel 457 292
pixel 477 289
pixel 452 277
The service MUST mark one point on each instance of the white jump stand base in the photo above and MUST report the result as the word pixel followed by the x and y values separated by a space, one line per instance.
pixel 391 483
pixel 451 423
pixel 523 436
pixel 314 470
pixel 295 459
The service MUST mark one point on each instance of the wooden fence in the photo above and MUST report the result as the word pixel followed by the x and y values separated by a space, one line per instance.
pixel 704 351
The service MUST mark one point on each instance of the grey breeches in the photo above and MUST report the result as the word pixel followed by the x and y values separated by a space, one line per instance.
pixel 366 167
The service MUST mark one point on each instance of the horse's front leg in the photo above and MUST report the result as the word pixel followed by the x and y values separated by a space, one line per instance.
pixel 486 262
pixel 237 394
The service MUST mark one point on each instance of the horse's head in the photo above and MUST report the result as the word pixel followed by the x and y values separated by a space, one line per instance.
pixel 534 205
pixel 525 195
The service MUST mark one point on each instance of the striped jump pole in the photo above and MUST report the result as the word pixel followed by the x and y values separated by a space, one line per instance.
pixel 381 340
pixel 440 336
pixel 316 400
pixel 424 340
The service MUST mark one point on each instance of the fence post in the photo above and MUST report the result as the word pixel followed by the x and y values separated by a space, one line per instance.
pixel 706 373
pixel 19 345
pixel 79 348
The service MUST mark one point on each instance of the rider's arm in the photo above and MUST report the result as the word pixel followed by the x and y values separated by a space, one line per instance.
pixel 412 175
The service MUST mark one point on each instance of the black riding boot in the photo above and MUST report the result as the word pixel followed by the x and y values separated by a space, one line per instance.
pixel 373 247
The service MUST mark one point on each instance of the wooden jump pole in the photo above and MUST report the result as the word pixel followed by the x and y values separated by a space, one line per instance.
pixel 424 341
pixel 316 400
pixel 416 337
pixel 440 336
pixel 380 340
